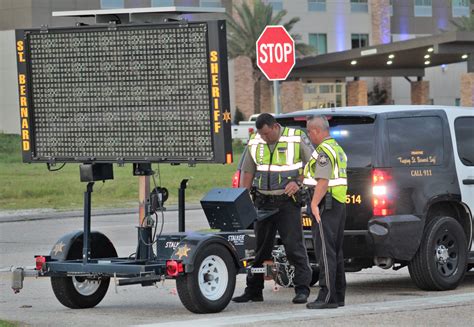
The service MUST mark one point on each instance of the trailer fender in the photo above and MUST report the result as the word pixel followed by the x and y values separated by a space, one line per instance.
pixel 69 246
pixel 189 247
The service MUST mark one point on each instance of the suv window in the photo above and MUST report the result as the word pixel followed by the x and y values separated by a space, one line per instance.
pixel 415 141
pixel 464 129
pixel 354 134
pixel 356 138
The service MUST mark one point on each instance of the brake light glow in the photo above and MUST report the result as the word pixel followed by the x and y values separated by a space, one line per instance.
pixel 379 189
pixel 40 261
pixel 383 204
pixel 174 268
pixel 236 179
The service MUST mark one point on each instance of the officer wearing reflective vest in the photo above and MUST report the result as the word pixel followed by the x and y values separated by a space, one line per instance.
pixel 274 167
pixel 326 172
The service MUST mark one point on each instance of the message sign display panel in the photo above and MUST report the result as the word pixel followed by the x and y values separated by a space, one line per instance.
pixel 149 93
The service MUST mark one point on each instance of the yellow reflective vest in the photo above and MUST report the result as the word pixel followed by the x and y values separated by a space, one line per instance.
pixel 274 170
pixel 338 182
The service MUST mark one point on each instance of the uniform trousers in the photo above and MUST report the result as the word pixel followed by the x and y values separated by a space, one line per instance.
pixel 328 238
pixel 287 221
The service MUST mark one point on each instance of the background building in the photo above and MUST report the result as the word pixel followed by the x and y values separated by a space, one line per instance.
pixel 338 25
pixel 327 25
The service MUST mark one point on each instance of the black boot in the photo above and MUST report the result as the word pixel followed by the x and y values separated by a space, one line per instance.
pixel 300 298
pixel 321 305
pixel 247 297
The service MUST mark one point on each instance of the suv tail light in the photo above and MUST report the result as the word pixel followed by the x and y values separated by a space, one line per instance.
pixel 382 189
pixel 236 179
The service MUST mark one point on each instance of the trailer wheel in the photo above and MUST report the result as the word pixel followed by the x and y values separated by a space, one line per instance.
pixel 78 292
pixel 209 287
pixel 440 263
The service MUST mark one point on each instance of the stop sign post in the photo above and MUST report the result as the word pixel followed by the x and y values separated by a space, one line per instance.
pixel 275 53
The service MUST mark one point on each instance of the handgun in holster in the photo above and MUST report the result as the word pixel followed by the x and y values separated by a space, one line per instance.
pixel 259 199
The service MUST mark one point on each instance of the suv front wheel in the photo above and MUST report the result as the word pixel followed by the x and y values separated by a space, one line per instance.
pixel 440 263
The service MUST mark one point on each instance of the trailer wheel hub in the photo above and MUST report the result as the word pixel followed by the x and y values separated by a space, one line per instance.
pixel 213 277
pixel 85 286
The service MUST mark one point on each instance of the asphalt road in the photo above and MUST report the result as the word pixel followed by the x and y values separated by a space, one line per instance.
pixel 374 296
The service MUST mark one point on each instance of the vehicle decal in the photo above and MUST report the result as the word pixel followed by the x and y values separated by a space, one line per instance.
pixel 58 248
pixel 182 251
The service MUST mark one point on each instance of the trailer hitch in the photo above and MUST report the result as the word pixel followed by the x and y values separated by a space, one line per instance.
pixel 19 274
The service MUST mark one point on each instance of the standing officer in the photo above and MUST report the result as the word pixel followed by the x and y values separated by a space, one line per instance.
pixel 274 166
pixel 327 170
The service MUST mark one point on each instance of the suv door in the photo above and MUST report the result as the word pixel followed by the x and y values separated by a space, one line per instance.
pixel 464 130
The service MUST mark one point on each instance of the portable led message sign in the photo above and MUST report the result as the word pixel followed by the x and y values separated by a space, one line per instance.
pixel 125 93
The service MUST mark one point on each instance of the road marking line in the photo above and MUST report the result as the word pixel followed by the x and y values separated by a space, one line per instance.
pixel 302 314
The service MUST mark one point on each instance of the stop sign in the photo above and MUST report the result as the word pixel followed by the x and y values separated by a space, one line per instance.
pixel 275 53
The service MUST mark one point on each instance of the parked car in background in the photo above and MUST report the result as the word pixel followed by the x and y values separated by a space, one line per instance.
pixel 244 129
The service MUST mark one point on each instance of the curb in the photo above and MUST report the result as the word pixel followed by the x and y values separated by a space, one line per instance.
pixel 44 214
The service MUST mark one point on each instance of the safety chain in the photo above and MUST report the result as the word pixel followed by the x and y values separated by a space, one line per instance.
pixel 279 259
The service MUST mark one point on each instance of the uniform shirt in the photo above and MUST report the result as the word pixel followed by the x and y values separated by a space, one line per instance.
pixel 324 166
pixel 306 149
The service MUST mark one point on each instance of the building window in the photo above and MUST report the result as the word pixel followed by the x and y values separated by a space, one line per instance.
pixel 359 40
pixel 210 3
pixel 317 5
pixel 324 95
pixel 423 8
pixel 461 8
pixel 162 3
pixel 359 6
pixel 318 42
pixel 457 102
pixel 111 4
pixel 390 8
pixel 276 4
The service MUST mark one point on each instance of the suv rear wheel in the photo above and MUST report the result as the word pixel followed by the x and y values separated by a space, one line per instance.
pixel 440 263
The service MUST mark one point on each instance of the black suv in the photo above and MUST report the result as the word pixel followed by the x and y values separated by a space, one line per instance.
pixel 410 189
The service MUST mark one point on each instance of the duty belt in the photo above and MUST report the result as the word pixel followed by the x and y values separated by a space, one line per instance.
pixel 268 198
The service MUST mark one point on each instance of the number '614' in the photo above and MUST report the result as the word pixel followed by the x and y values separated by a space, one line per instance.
pixel 353 199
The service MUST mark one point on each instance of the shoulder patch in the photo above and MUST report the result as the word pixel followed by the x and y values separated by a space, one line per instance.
pixel 323 159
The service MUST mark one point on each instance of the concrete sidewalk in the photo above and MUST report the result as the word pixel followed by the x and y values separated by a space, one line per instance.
pixel 8 216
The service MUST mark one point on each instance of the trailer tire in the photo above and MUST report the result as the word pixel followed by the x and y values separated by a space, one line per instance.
pixel 210 286
pixel 80 292
pixel 440 262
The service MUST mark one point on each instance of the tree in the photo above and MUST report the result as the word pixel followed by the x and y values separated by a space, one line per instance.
pixel 377 96
pixel 244 31
pixel 464 23
pixel 238 116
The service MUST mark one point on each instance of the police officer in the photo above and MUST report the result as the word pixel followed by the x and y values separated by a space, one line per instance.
pixel 274 166
pixel 326 171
